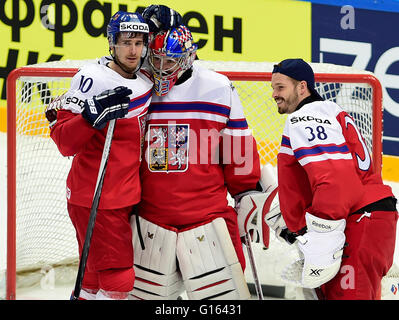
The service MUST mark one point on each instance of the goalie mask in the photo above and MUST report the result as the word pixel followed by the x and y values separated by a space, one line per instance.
pixel 171 53
pixel 127 25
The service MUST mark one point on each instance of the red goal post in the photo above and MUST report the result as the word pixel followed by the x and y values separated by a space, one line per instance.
pixel 29 89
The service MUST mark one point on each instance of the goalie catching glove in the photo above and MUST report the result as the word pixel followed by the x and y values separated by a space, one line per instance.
pixel 257 211
pixel 108 105
pixel 321 249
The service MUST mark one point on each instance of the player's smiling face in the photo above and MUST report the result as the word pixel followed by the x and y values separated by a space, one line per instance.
pixel 128 49
pixel 285 93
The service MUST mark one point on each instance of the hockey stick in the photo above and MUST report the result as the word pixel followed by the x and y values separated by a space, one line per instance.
pixel 258 287
pixel 93 211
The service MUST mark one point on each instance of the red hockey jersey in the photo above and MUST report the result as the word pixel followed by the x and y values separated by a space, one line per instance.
pixel 324 167
pixel 74 136
pixel 198 147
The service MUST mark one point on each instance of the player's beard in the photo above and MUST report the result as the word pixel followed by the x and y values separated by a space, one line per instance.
pixel 290 103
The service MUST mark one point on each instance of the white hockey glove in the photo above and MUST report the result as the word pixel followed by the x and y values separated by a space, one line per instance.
pixel 321 249
pixel 257 210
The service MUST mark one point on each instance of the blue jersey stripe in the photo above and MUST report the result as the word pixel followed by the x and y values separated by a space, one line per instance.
pixel 319 149
pixel 140 101
pixel 285 141
pixel 196 106
pixel 241 124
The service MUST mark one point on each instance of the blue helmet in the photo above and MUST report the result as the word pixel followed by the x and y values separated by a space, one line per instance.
pixel 125 22
pixel 131 23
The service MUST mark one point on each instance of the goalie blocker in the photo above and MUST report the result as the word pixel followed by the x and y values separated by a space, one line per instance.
pixel 208 266
pixel 257 211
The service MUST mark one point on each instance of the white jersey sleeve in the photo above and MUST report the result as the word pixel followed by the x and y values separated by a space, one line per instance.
pixel 93 79
pixel 85 84
pixel 237 124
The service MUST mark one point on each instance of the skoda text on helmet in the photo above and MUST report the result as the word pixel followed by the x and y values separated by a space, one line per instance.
pixel 171 53
pixel 130 24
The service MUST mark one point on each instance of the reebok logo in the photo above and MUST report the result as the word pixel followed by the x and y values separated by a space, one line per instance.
pixel 321 225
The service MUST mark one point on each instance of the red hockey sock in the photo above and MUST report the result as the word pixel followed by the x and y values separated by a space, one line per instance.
pixel 116 280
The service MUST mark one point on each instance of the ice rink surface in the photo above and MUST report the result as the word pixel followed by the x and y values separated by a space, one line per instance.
pixel 268 261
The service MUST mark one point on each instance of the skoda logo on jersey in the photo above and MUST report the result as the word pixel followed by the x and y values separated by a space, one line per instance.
pixel 134 27
pixel 168 147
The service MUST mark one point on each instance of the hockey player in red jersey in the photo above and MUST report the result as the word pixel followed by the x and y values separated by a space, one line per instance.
pixel 99 93
pixel 198 148
pixel 330 193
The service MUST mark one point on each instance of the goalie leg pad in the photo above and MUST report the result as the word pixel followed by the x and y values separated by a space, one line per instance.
pixel 155 266
pixel 209 263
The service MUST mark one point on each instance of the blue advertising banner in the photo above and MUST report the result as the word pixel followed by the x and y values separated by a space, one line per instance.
pixel 367 40
pixel 380 5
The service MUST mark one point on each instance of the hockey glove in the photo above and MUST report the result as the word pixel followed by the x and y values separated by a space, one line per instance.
pixel 321 249
pixel 108 105
pixel 160 17
pixel 52 109
pixel 253 208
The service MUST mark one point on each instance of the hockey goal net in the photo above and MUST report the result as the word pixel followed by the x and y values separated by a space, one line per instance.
pixel 40 235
